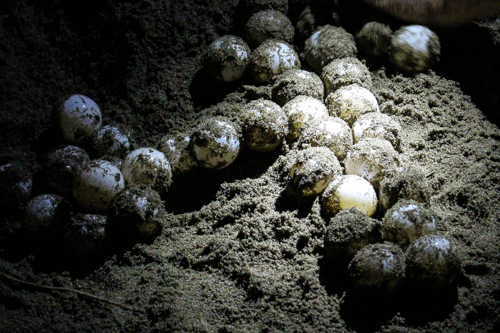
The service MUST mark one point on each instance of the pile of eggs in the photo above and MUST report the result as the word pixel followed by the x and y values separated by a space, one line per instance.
pixel 341 146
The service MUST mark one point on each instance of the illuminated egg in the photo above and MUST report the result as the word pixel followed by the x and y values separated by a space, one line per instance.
pixel 85 235
pixel 369 158
pixel 264 125
pixel 326 44
pixel 346 192
pixel 348 232
pixel 377 125
pixel 111 141
pixel 79 119
pixel 296 82
pixel 97 185
pixel 313 170
pixel 378 267
pixel 301 111
pixel 147 166
pixel 60 166
pixel 215 143
pixel 374 40
pixel 433 261
pixel 137 214
pixel 406 221
pixel 176 149
pixel 268 24
pixel 414 48
pixel 45 213
pixel 227 58
pixel 272 58
pixel 350 102
pixel 344 72
pixel 333 133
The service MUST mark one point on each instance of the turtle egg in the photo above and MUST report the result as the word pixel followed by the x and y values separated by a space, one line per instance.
pixel 332 132
pixel 344 72
pixel 215 143
pixel 147 166
pixel 61 165
pixel 301 111
pixel 111 141
pixel 272 58
pixel 85 234
pixel 433 261
pixel 80 118
pixel 349 191
pixel 406 221
pixel 16 183
pixel 268 24
pixel 227 58
pixel 327 44
pixel 313 170
pixel 265 125
pixel 350 102
pixel 97 185
pixel 369 158
pixel 45 212
pixel 176 150
pixel 414 48
pixel 378 267
pixel 377 125
pixel 296 82
pixel 374 40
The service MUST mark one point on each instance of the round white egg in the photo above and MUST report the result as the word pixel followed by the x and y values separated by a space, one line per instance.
pixel 215 143
pixel 176 149
pixel 349 191
pixel 350 102
pixel 111 141
pixel 97 185
pixel 80 118
pixel 377 125
pixel 147 166
pixel 227 58
pixel 272 58
pixel 45 211
pixel 301 111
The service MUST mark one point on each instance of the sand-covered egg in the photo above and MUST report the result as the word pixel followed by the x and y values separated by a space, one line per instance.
pixel 45 213
pixel 296 82
pixel 378 267
pixel 268 24
pixel 301 111
pixel 406 221
pixel 348 232
pixel 272 58
pixel 350 102
pixel 60 166
pixel 176 148
pixel 332 132
pixel 147 166
pixel 374 40
pixel 85 235
pixel 346 192
pixel 414 48
pixel 313 170
pixel 215 143
pixel 137 214
pixel 97 185
pixel 264 125
pixel 112 141
pixel 369 158
pixel 16 183
pixel 79 119
pixel 344 72
pixel 377 125
pixel 227 58
pixel 326 44
pixel 433 261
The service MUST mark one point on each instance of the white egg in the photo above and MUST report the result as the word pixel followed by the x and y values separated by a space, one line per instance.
pixel 216 143
pixel 44 212
pixel 111 141
pixel 80 118
pixel 350 102
pixel 97 185
pixel 147 166
pixel 349 191
pixel 301 111
pixel 272 58
pixel 176 149
pixel 227 58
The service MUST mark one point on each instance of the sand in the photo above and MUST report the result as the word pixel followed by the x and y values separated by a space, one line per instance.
pixel 236 254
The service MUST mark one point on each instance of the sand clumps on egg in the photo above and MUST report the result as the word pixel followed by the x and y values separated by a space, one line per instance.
pixel 272 58
pixel 268 24
pixel 296 82
pixel 350 102
pixel 301 111
pixel 227 58
pixel 344 72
